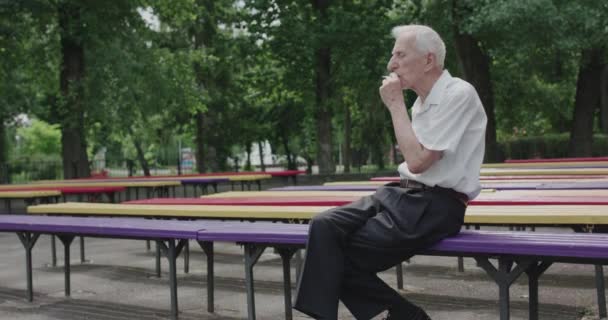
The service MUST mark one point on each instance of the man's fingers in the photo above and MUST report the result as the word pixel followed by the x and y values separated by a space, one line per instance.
pixel 390 80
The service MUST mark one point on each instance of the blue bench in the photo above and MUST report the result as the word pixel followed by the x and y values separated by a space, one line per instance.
pixel 516 252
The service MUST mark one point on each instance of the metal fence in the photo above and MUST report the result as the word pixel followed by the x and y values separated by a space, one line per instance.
pixel 21 171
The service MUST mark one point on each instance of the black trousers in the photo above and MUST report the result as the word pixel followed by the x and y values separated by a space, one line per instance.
pixel 347 247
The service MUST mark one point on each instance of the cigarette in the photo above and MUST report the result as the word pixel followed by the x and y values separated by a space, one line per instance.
pixel 390 75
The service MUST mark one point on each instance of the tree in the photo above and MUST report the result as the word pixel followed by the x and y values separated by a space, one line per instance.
pixel 27 68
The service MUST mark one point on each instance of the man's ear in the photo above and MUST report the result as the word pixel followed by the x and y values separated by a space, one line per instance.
pixel 429 61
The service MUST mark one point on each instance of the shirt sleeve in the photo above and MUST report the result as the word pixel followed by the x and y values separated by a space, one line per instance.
pixel 450 119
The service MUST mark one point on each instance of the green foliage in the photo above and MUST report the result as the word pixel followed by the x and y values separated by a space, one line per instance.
pixel 38 140
pixel 37 152
pixel 547 146
pixel 249 68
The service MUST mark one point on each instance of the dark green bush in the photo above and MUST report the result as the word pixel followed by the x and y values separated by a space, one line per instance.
pixel 547 146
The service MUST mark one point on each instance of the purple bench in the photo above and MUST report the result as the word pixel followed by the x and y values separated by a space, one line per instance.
pixel 516 252
pixel 170 235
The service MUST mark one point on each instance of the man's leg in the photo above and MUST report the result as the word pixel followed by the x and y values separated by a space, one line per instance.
pixel 406 223
pixel 321 279
pixel 366 295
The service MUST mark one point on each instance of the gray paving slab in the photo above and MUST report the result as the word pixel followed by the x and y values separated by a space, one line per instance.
pixel 119 283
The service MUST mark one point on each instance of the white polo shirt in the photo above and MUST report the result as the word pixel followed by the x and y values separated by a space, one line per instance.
pixel 452 120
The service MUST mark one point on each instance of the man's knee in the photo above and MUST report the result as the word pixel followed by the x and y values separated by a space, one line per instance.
pixel 322 221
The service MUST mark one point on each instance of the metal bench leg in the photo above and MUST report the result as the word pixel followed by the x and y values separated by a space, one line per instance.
pixel 601 293
pixel 460 264
pixel 28 240
pixel 67 241
pixel 534 272
pixel 504 276
pixel 82 257
pixel 208 249
pixel 53 251
pixel 172 251
pixel 286 254
pixel 252 254
pixel 158 246
pixel 187 257
pixel 172 278
pixel 299 264
pixel 399 270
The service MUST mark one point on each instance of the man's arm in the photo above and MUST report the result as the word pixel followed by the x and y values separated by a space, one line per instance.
pixel 417 157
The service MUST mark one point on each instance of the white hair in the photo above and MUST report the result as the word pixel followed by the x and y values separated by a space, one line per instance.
pixel 426 40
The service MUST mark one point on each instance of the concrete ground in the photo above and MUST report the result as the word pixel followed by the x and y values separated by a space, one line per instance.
pixel 119 283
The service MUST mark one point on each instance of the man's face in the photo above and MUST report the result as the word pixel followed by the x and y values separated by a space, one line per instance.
pixel 406 61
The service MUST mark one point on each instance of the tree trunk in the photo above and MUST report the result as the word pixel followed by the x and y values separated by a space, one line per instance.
pixel 346 149
pixel 4 169
pixel 323 112
pixel 291 163
pixel 140 153
pixel 604 100
pixel 309 163
pixel 201 164
pixel 475 64
pixel 586 102
pixel 203 36
pixel 248 161
pixel 141 157
pixel 261 152
pixel 73 142
pixel 206 154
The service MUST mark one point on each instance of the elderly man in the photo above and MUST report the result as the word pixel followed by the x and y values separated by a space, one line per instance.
pixel 443 146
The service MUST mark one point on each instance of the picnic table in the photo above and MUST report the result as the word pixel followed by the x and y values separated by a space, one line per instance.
pixel 564 215
pixel 543 171
pixel 547 165
pixel 486 199
pixel 544 178
pixel 159 188
pixel 30 197
pixel 501 185
pixel 541 160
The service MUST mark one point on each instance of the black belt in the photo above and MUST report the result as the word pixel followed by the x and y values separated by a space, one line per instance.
pixel 413 184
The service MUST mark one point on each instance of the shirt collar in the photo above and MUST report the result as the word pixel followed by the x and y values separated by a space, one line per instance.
pixel 437 90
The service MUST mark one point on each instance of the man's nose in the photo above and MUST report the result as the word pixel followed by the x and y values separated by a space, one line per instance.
pixel 391 66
